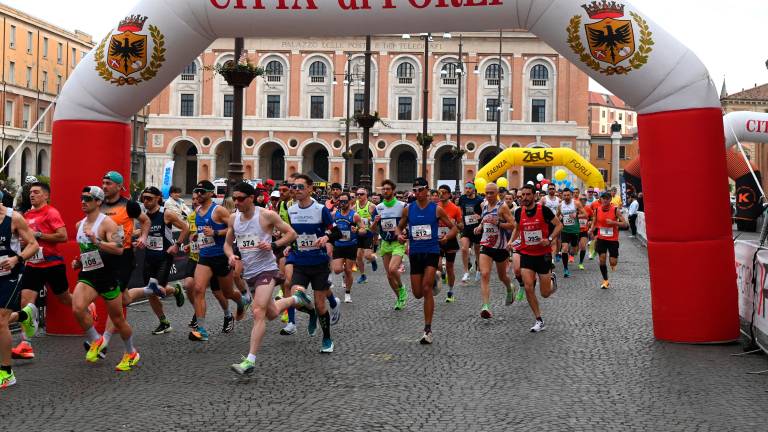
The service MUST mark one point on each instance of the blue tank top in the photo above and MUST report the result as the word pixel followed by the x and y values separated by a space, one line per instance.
pixel 209 246
pixel 346 225
pixel 422 229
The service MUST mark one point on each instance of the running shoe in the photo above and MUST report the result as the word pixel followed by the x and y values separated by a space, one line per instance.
pixel 354 268
pixel 162 328
pixel 557 258
pixel 23 351
pixel 571 259
pixel 347 298
pixel 374 265
pixel 539 326
pixel 327 346
pixel 279 294
pixel 426 339
pixel 284 316
pixel 450 298
pixel 445 277
pixel 401 270
pixel 312 326
pixel 102 353
pixel 302 300
pixel 511 294
pixel 477 276
pixel 128 362
pixel 199 335
pixel 193 322
pixel 581 266
pixel 153 285
pixel 520 295
pixel 242 307
pixel 486 312
pixel 605 285
pixel 403 296
pixel 30 324
pixel 465 278
pixel 229 324
pixel 288 330
pixel 398 304
pixel 246 367
pixel 178 294
pixel 7 379
pixel 362 279
pixel 566 273
pixel 336 312
pixel 92 356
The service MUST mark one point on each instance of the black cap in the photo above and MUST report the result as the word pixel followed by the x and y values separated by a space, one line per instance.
pixel 420 182
pixel 605 195
pixel 503 190
pixel 206 186
pixel 336 186
pixel 153 191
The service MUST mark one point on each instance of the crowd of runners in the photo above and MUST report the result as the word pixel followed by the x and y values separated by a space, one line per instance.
pixel 267 250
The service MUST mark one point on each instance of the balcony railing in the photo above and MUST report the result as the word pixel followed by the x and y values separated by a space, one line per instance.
pixel 274 78
pixel 539 83
pixel 492 82
pixel 450 81
pixel 317 79
pixel 405 80
pixel 188 77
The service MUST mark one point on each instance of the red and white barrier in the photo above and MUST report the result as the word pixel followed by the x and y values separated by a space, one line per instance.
pixel 671 89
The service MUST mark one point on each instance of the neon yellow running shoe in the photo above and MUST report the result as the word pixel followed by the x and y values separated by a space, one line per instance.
pixel 7 379
pixel 92 356
pixel 284 316
pixel 128 362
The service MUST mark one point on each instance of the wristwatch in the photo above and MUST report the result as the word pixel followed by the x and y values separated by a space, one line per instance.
pixel 38 234
pixel 550 238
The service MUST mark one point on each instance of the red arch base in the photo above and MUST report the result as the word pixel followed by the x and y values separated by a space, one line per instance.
pixel 83 152
pixel 692 286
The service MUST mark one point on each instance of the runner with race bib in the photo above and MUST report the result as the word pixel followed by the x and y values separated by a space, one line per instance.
pixel 607 220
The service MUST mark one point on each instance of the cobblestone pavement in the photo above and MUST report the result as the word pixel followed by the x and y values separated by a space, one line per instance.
pixel 596 367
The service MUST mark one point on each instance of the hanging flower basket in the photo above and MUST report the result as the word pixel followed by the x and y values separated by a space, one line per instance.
pixel 457 153
pixel 240 74
pixel 347 155
pixel 368 121
pixel 425 140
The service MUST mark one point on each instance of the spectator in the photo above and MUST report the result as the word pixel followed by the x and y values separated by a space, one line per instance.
pixel 176 204
pixel 634 205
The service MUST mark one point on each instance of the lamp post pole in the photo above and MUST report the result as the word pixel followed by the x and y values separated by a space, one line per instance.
pixel 235 173
pixel 365 179
pixel 347 159
pixel 462 71
pixel 498 107
pixel 425 108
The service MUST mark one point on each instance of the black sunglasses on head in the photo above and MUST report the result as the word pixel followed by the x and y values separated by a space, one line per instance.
pixel 86 198
pixel 201 191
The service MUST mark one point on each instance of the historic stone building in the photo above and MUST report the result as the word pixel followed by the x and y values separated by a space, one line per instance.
pixel 604 111
pixel 295 114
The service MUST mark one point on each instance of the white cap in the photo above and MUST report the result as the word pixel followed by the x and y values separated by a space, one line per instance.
pixel 275 194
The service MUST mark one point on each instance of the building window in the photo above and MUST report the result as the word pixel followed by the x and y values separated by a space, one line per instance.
pixel 29 76
pixel 603 113
pixel 449 109
pixel 492 110
pixel 274 71
pixel 621 116
pixel 9 113
pixel 602 129
pixel 45 47
pixel 187 107
pixel 229 105
pixel 273 106
pixel 405 73
pixel 622 152
pixel 190 72
pixel 449 75
pixel 41 115
pixel 74 57
pixel 405 108
pixel 45 81
pixel 29 42
pixel 317 73
pixel 538 110
pixel 493 74
pixel 58 83
pixel 12 72
pixel 59 53
pixel 317 107
pixel 539 76
pixel 359 103
pixel 12 37
pixel 604 173
pixel 601 152
pixel 25 116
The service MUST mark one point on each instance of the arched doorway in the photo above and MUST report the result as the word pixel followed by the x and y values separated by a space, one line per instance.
pixel 185 166
pixel 357 163
pixel 446 166
pixel 26 164
pixel 315 162
pixel 403 166
pixel 487 155
pixel 6 156
pixel 271 161
pixel 43 163
pixel 223 158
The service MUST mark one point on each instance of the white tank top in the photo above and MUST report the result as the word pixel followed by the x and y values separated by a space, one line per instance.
pixel 552 204
pixel 248 234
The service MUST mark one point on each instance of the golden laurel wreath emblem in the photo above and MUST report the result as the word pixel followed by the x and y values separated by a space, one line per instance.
pixel 147 73
pixel 637 61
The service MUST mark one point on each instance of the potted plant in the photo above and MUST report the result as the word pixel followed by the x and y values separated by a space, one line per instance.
pixel 239 74
pixel 347 154
pixel 457 153
pixel 368 120
pixel 425 140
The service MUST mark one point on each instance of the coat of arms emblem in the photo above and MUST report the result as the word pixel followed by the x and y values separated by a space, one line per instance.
pixel 125 53
pixel 614 46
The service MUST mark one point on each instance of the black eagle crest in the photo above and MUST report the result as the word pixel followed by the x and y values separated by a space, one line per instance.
pixel 611 39
pixel 126 51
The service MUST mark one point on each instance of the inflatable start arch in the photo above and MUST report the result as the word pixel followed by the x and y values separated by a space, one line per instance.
pixel 541 157
pixel 693 280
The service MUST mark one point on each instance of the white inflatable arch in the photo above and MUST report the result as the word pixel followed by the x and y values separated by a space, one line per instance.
pixel 614 42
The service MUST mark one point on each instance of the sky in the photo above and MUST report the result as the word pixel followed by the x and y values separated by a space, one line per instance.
pixel 730 37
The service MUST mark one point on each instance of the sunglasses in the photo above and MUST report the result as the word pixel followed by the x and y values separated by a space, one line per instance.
pixel 86 198
pixel 240 198
pixel 344 202
pixel 361 194
pixel 147 198
pixel 201 191
pixel 419 189
pixel 298 187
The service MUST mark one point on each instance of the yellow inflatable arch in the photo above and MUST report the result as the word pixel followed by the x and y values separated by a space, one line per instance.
pixel 540 157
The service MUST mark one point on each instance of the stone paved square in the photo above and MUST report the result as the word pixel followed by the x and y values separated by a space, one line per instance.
pixel 596 367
